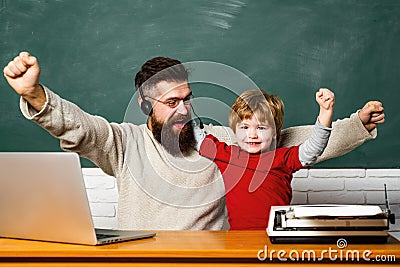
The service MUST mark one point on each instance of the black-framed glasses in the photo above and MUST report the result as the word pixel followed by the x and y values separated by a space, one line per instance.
pixel 174 102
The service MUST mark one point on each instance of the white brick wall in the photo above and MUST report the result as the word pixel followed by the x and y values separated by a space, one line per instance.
pixel 103 197
pixel 310 186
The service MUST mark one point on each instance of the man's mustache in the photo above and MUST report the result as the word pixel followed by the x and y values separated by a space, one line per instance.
pixel 180 119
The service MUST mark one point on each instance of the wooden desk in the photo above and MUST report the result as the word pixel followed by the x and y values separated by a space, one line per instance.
pixel 184 248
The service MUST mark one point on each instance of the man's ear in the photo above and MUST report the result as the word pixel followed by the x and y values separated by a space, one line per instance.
pixel 139 100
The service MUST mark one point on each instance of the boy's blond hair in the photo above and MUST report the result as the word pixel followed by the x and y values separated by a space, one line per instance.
pixel 268 108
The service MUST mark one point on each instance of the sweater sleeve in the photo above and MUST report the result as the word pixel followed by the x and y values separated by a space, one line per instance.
pixel 92 137
pixel 223 133
pixel 346 135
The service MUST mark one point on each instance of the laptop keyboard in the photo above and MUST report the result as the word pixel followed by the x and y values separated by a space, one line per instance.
pixel 101 236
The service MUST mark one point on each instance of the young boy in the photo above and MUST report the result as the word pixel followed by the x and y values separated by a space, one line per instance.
pixel 256 175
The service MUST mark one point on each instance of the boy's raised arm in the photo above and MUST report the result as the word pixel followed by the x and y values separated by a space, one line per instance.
pixel 315 145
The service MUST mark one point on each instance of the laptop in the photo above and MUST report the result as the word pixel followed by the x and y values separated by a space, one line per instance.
pixel 43 197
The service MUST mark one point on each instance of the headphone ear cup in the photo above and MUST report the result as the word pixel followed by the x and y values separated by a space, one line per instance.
pixel 146 107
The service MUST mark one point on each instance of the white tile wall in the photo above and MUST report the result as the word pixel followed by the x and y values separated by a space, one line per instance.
pixel 310 186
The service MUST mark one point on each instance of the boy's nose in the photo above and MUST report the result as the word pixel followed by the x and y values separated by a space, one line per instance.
pixel 252 133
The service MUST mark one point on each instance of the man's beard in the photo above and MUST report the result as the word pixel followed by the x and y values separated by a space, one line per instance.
pixel 177 143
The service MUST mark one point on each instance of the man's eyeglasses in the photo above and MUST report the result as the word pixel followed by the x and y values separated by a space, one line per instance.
pixel 174 102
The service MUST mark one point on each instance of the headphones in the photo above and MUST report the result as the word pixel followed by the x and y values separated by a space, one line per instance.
pixel 201 125
pixel 145 106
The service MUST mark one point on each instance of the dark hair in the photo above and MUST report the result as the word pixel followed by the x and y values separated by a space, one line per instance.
pixel 167 69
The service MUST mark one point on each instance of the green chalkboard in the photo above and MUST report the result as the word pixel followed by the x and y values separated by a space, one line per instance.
pixel 90 51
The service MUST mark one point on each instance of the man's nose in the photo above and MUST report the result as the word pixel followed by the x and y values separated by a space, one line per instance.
pixel 182 108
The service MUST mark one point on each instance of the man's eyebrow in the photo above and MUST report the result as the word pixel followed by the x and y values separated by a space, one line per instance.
pixel 171 98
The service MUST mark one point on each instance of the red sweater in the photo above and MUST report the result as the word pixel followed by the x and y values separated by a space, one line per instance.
pixel 253 182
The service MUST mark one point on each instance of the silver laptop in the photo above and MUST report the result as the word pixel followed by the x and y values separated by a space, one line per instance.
pixel 43 197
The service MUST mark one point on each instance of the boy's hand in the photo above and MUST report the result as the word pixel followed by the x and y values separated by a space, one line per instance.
pixel 22 74
pixel 326 100
pixel 372 114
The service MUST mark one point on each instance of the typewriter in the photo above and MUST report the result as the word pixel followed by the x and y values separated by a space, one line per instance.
pixel 328 223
